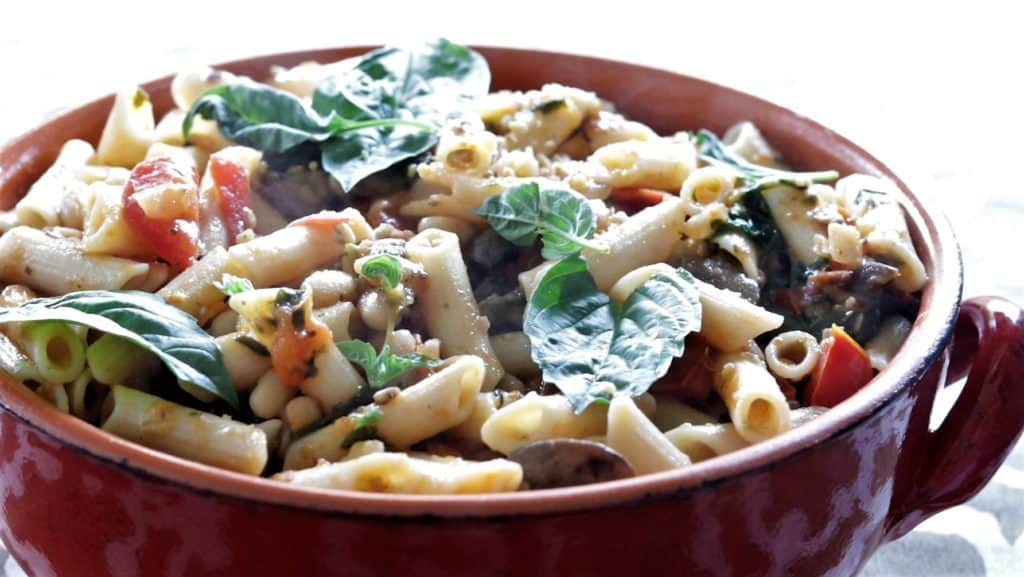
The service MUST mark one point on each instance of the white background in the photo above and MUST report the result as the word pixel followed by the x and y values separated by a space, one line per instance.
pixel 935 90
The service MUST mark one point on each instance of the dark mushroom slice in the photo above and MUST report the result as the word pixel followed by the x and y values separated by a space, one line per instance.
pixel 569 462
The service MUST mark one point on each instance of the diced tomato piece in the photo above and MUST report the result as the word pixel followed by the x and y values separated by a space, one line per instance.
pixel 292 354
pixel 174 239
pixel 323 219
pixel 294 348
pixel 636 199
pixel 235 195
pixel 842 369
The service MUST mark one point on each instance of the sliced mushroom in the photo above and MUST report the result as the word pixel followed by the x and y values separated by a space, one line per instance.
pixel 568 462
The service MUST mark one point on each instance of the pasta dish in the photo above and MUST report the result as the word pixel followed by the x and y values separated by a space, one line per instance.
pixel 377 275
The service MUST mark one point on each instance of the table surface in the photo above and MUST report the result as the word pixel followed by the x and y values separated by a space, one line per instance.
pixel 935 91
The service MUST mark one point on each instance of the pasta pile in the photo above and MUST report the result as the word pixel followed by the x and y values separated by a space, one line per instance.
pixel 539 269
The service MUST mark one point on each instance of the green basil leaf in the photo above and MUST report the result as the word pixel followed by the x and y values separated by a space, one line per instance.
pixel 427 82
pixel 387 108
pixel 755 176
pixel 383 368
pixel 147 321
pixel 232 285
pixel 384 267
pixel 593 348
pixel 562 218
pixel 352 156
pixel 259 116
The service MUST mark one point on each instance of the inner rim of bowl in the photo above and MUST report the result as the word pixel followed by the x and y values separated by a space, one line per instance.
pixel 932 328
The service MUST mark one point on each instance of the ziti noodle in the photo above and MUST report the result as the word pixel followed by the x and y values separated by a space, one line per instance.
pixel 376 275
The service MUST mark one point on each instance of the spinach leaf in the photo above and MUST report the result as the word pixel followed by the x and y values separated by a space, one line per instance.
pixel 385 109
pixel 259 116
pixel 232 285
pixel 383 368
pixel 593 348
pixel 562 218
pixel 147 321
pixel 384 267
pixel 755 176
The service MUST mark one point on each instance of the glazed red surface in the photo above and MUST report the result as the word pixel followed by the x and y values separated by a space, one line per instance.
pixel 814 502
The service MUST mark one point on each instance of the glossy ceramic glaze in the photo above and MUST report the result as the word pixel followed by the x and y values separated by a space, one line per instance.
pixel 814 502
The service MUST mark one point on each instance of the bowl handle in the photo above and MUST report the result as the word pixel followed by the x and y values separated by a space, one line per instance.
pixel 985 421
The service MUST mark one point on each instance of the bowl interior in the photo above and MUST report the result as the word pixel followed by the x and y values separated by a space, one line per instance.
pixel 667 102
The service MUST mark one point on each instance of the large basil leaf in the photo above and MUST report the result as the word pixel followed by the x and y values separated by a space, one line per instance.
pixel 354 155
pixel 593 348
pixel 562 218
pixel 390 82
pixel 259 116
pixel 423 88
pixel 385 109
pixel 146 320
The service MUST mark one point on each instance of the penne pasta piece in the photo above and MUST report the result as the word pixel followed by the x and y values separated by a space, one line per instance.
pixel 448 306
pixel 42 203
pixel 402 473
pixel 435 404
pixel 130 129
pixel 661 163
pixel 538 418
pixel 334 380
pixel 792 355
pixel 800 230
pixel 57 265
pixel 244 359
pixel 116 361
pixel 57 350
pixel 295 251
pixel 193 290
pixel 486 404
pixel 647 237
pixel 701 442
pixel 729 322
pixel 756 405
pixel 639 441
pixel 185 432
pixel 338 318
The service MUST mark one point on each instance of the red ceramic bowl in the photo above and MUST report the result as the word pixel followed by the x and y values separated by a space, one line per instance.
pixel 815 501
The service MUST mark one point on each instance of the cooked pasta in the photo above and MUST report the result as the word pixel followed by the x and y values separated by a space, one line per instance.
pixel 513 274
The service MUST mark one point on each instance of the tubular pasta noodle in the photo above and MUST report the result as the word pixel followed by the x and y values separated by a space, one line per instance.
pixel 537 418
pixel 193 290
pixel 41 205
pixel 728 322
pixel 757 407
pixel 401 473
pixel 639 441
pixel 130 129
pixel 701 442
pixel 792 355
pixel 449 308
pixel 435 404
pixel 647 237
pixel 58 265
pixel 186 432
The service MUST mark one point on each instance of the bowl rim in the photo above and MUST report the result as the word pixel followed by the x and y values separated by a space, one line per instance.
pixel 931 332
